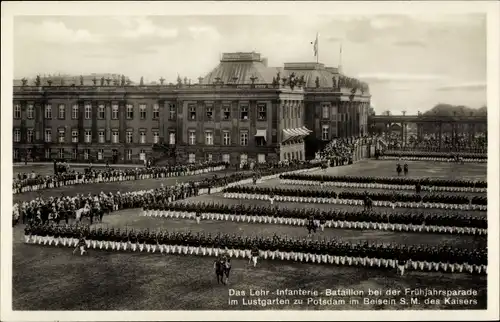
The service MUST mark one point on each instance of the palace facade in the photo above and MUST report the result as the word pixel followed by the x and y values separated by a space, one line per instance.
pixel 242 111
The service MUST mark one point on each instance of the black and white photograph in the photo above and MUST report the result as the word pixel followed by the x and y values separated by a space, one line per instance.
pixel 283 158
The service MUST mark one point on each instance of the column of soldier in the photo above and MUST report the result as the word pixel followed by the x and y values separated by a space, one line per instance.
pixel 416 221
pixel 33 182
pixel 64 208
pixel 392 199
pixel 332 251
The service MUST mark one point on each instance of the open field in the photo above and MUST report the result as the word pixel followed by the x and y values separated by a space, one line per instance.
pixel 51 278
pixel 417 169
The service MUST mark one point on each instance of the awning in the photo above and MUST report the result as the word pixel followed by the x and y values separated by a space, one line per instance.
pixel 306 130
pixel 286 134
pixel 295 133
pixel 261 133
pixel 302 132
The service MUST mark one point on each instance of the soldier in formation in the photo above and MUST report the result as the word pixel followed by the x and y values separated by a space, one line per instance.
pixel 455 223
pixel 25 182
pixel 331 251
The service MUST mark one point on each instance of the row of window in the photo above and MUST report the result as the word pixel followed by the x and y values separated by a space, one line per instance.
pixel 209 137
pixel 226 138
pixel 61 137
pixel 226 112
pixel 87 154
pixel 100 154
pixel 101 112
pixel 243 158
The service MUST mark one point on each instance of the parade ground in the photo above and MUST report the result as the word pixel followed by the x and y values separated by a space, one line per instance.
pixel 52 278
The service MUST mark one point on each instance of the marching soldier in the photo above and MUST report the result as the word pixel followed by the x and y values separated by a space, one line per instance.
pixel 82 244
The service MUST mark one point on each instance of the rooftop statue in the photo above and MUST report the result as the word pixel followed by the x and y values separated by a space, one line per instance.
pixel 302 80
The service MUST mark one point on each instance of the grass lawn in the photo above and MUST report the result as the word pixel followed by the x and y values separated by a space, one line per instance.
pixel 51 278
pixel 417 169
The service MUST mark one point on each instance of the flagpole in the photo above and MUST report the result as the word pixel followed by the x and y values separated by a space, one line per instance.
pixel 340 57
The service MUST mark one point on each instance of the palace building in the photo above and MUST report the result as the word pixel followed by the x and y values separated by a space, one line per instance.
pixel 242 111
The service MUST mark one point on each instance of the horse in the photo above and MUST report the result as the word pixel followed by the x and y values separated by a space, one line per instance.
pixel 83 212
pixel 222 268
pixel 398 169
pixel 368 203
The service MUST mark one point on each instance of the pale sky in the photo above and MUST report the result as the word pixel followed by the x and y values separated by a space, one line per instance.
pixel 411 63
